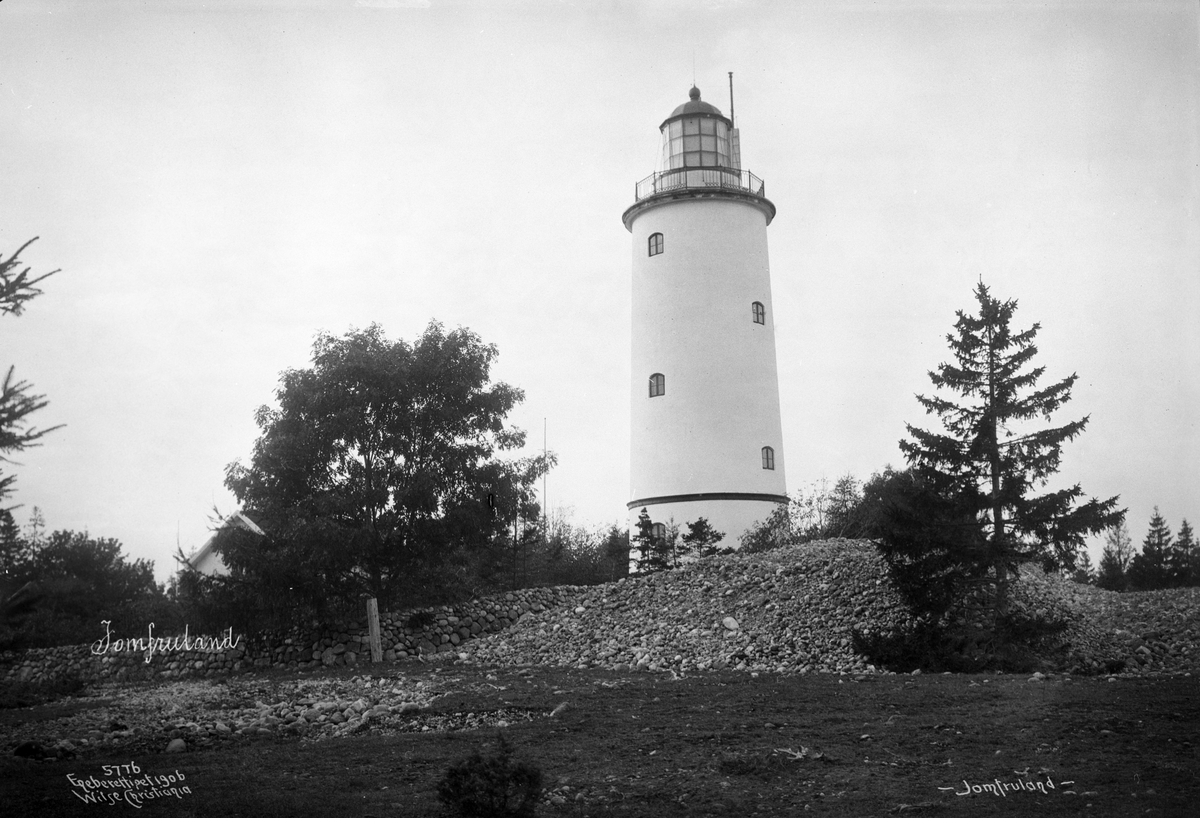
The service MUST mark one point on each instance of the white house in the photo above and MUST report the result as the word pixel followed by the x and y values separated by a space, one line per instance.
pixel 206 560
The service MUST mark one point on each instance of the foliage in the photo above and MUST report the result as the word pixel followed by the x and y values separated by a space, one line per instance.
pixel 1181 558
pixel 776 531
pixel 1084 573
pixel 648 551
pixel 17 402
pixel 992 457
pixel 494 786
pixel 574 555
pixel 932 544
pixel 843 506
pixel 29 694
pixel 556 551
pixel 1115 558
pixel 666 548
pixel 817 512
pixel 79 581
pixel 1151 569
pixel 377 474
pixel 1014 642
pixel 18 602
pixel 701 540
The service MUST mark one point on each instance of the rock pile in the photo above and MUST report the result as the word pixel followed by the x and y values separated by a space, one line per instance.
pixel 794 610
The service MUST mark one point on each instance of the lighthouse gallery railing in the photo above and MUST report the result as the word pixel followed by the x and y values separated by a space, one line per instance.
pixel 699 179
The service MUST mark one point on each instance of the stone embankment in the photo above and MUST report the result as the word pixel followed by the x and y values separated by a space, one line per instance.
pixel 795 610
pixel 791 610
pixel 403 635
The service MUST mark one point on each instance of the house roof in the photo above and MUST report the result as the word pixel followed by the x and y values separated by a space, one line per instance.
pixel 235 520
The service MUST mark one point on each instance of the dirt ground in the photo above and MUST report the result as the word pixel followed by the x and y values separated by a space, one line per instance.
pixel 706 744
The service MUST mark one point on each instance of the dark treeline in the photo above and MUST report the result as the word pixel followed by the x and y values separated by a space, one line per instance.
pixel 1163 561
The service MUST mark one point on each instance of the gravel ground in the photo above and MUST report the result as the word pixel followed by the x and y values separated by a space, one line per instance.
pixel 790 611
pixel 177 716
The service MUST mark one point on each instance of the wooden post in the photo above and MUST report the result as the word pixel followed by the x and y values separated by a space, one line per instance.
pixel 373 629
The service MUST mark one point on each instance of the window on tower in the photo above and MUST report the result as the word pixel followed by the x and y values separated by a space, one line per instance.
pixel 760 312
pixel 656 243
pixel 768 455
pixel 658 532
pixel 658 385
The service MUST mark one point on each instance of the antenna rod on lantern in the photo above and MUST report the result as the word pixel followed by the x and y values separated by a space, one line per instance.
pixel 732 121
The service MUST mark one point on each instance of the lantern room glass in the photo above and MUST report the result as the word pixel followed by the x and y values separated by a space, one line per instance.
pixel 696 142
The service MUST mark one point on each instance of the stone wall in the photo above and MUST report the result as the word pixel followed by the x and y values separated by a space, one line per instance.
pixel 405 634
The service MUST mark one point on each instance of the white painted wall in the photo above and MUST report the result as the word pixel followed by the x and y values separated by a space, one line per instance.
pixel 692 321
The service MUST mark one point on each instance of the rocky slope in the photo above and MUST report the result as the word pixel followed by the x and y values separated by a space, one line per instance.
pixel 794 609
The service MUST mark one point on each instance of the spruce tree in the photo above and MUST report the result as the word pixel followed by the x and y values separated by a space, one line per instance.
pixel 654 551
pixel 1189 545
pixel 1150 569
pixel 992 455
pixel 1181 557
pixel 17 401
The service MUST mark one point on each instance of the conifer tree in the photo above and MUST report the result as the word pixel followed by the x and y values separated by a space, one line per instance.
pixel 1084 572
pixel 17 402
pixel 1181 557
pixel 1189 545
pixel 645 547
pixel 992 455
pixel 1150 569
pixel 702 539
pixel 1115 559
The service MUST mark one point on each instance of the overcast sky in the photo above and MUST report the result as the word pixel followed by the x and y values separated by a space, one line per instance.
pixel 220 181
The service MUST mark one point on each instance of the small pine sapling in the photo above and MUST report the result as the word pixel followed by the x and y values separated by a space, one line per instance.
pixel 494 786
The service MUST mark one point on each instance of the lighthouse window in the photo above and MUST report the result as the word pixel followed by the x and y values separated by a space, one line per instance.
pixel 658 532
pixel 656 243
pixel 760 312
pixel 698 142
pixel 768 455
pixel 658 385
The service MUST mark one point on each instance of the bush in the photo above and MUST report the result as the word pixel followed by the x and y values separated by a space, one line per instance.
pixel 28 694
pixel 1015 643
pixel 491 787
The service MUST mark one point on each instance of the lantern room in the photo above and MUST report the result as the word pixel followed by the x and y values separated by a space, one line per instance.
pixel 697 135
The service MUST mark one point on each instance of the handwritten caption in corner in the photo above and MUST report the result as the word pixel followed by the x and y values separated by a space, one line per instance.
pixel 1001 789
pixel 124 783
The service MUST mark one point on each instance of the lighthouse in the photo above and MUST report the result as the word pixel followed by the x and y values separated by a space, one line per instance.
pixel 706 433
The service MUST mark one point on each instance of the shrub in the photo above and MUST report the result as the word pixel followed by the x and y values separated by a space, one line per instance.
pixel 491 787
pixel 28 694
pixel 1015 642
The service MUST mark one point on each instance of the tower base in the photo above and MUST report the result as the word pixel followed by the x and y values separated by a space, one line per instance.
pixel 730 513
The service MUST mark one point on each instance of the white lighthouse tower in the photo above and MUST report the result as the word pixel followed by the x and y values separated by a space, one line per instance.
pixel 706 433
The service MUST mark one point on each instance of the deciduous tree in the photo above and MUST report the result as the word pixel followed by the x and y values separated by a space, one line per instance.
pixel 995 450
pixel 1115 559
pixel 379 471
